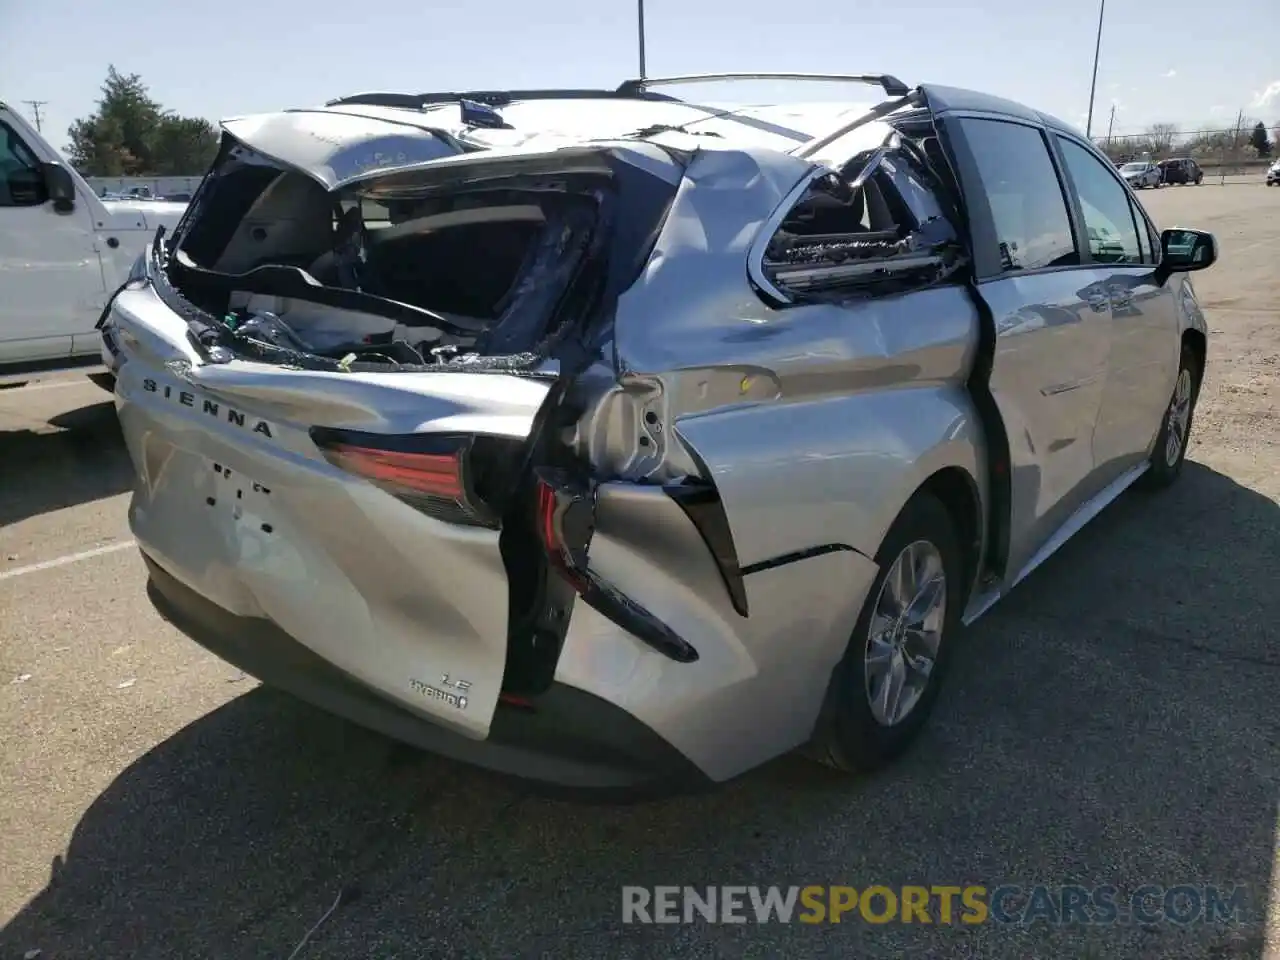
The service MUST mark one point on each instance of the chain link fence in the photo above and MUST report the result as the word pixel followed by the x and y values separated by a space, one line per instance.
pixel 1226 152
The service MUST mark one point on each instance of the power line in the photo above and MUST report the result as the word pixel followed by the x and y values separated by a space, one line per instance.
pixel 35 106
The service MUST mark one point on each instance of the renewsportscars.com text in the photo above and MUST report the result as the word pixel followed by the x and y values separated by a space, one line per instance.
pixel 936 904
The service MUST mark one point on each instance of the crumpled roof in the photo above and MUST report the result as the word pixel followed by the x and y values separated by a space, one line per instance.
pixel 783 126
pixel 345 142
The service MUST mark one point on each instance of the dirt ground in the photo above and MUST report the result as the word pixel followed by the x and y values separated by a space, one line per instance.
pixel 1115 721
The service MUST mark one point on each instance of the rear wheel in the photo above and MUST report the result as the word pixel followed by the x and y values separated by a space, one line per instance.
pixel 1170 451
pixel 884 689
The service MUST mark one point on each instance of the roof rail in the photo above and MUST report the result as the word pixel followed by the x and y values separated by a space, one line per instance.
pixel 490 98
pixel 892 86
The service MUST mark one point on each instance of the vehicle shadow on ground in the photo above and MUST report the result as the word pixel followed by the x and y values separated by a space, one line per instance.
pixel 84 460
pixel 1113 723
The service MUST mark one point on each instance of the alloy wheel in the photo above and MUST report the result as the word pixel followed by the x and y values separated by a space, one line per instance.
pixel 905 632
pixel 1179 418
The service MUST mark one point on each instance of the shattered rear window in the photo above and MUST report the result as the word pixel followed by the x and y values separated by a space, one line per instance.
pixel 445 269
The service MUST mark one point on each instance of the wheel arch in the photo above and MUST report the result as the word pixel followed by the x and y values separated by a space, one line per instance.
pixel 954 472
pixel 957 490
pixel 1194 339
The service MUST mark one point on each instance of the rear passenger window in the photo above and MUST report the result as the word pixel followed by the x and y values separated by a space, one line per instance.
pixel 1109 217
pixel 1021 185
pixel 874 228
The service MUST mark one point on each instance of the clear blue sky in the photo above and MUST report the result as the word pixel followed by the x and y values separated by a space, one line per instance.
pixel 1182 61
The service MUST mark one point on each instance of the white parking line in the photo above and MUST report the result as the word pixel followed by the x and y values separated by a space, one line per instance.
pixel 40 385
pixel 63 561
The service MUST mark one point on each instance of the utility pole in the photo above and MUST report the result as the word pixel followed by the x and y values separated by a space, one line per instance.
pixel 35 106
pixel 640 25
pixel 1235 145
pixel 1093 87
pixel 1111 123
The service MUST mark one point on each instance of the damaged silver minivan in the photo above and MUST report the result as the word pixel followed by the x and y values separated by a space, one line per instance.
pixel 616 440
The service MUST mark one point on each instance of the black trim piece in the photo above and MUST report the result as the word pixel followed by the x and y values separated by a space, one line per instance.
pixel 701 503
pixel 980 229
pixel 106 311
pixel 612 603
pixel 999 463
pixel 1070 196
pixel 566 523
pixel 787 558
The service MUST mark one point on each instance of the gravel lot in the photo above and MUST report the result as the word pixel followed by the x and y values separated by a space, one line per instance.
pixel 1114 722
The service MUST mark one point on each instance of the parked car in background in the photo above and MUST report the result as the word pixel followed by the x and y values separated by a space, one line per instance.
pixel 1141 173
pixel 1180 170
pixel 1273 174
pixel 607 438
pixel 63 250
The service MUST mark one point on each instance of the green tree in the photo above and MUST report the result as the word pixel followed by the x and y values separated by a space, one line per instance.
pixel 183 146
pixel 130 134
pixel 1259 140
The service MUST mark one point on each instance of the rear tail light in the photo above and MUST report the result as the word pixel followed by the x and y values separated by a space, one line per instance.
pixel 431 473
pixel 566 519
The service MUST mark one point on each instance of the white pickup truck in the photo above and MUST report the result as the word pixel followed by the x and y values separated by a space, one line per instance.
pixel 63 251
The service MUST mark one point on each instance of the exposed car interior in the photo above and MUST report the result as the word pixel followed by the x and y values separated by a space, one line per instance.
pixel 877 226
pixel 277 242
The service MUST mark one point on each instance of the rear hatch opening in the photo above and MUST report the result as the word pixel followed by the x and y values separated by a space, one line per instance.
pixel 472 262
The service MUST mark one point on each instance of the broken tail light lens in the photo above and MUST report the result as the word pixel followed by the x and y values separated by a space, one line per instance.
pixel 429 472
pixel 565 518
pixel 565 515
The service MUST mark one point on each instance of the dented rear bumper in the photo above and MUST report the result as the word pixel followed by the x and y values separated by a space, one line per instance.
pixel 564 737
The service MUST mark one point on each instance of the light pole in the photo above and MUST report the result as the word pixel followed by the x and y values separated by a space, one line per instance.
pixel 35 106
pixel 640 25
pixel 1093 87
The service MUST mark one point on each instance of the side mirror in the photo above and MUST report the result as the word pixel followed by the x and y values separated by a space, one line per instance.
pixel 1184 250
pixel 61 188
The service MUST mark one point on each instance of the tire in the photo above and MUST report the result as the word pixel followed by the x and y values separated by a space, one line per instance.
pixel 850 736
pixel 1165 465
